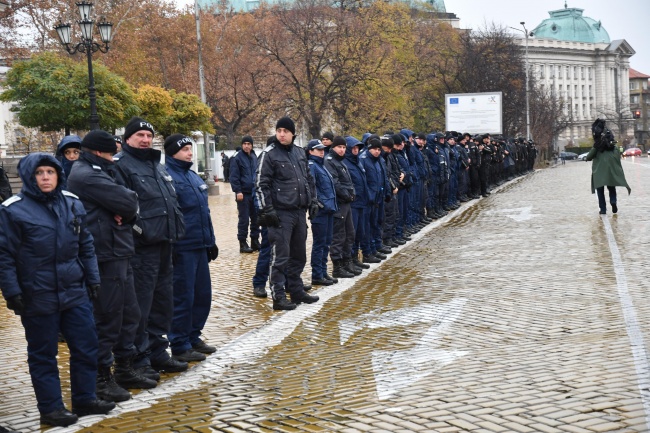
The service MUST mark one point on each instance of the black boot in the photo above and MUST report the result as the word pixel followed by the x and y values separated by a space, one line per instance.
pixel 357 264
pixel 304 297
pixel 255 244
pixel 282 303
pixel 244 248
pixel 93 407
pixel 332 279
pixel 371 259
pixel 128 378
pixel 107 389
pixel 340 271
pixel 59 418
pixel 352 268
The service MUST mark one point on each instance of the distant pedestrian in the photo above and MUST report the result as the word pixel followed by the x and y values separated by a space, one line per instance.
pixel 48 273
pixel 225 164
pixel 67 152
pixel 242 182
pixel 606 168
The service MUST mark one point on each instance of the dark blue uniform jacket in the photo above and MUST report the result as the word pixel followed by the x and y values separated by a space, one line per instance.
pixel 325 191
pixel 46 251
pixel 192 195
pixel 242 172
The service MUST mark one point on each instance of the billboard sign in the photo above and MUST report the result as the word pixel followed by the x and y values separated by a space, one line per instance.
pixel 476 113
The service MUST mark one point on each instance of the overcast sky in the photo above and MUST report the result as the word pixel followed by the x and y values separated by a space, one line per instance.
pixel 623 19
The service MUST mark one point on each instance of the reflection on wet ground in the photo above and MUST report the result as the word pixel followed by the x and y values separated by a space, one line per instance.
pixel 501 317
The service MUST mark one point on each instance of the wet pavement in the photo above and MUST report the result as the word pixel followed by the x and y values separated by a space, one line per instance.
pixel 522 312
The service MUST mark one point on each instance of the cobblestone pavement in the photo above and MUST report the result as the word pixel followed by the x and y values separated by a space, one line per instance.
pixel 522 312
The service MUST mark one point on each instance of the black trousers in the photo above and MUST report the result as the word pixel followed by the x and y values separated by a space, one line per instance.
pixel 116 312
pixel 344 234
pixel 288 252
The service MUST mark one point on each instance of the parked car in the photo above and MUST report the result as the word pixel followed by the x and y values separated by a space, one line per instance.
pixel 583 156
pixel 632 151
pixel 568 155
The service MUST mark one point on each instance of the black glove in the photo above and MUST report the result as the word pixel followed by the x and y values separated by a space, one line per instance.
pixel 15 304
pixel 314 207
pixel 213 252
pixel 268 218
pixel 93 291
pixel 388 198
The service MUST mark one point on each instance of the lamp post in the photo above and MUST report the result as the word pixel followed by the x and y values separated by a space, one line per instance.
pixel 523 24
pixel 88 46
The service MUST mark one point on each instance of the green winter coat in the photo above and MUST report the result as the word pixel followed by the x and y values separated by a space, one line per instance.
pixel 606 169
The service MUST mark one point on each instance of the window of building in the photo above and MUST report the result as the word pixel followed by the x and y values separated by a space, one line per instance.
pixel 589 72
pixel 582 72
pixel 541 71
pixel 645 85
pixel 634 85
pixel 567 73
pixel 634 99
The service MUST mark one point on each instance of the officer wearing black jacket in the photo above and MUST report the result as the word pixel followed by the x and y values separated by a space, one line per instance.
pixel 285 190
pixel 111 208
pixel 486 160
pixel 343 236
pixel 158 225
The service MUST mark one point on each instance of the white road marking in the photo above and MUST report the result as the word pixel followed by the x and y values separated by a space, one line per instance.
pixel 397 369
pixel 639 351
pixel 424 313
pixel 518 214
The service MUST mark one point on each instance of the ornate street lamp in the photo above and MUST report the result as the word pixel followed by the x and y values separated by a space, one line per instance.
pixel 88 46
pixel 526 34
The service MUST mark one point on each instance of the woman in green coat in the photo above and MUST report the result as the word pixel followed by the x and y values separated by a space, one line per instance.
pixel 606 169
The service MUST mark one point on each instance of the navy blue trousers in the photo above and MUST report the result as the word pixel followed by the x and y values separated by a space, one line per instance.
pixel 153 277
pixel 343 237
pixel 192 298
pixel 263 267
pixel 402 207
pixel 247 214
pixel 116 312
pixel 42 334
pixel 322 229
pixel 453 189
pixel 600 192
pixel 360 223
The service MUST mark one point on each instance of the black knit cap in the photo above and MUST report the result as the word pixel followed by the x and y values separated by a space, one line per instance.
pixel 397 139
pixel 338 141
pixel 176 142
pixel 286 123
pixel 247 139
pixel 99 140
pixel 374 142
pixel 137 124
pixel 329 135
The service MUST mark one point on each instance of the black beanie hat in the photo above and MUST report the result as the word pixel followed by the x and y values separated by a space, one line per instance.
pixel 374 142
pixel 247 139
pixel 397 139
pixel 137 124
pixel 99 140
pixel 338 141
pixel 176 142
pixel 286 123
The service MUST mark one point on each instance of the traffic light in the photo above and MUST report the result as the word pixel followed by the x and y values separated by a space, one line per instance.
pixel 637 114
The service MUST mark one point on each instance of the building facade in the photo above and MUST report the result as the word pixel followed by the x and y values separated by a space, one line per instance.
pixel 640 106
pixel 572 57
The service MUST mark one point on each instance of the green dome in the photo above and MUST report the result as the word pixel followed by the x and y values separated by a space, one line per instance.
pixel 568 24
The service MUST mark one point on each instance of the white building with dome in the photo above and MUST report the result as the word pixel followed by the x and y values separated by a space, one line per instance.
pixel 572 57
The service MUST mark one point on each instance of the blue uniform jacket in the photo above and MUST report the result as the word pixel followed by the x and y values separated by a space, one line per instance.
pixel 375 177
pixel 192 195
pixel 404 168
pixel 46 251
pixel 242 172
pixel 325 191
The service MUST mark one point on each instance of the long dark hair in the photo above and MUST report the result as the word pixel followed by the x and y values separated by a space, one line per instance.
pixel 603 137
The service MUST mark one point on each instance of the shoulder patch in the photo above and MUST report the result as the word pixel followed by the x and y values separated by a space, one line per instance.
pixel 269 147
pixel 11 200
pixel 69 194
pixel 310 162
pixel 328 157
pixel 96 167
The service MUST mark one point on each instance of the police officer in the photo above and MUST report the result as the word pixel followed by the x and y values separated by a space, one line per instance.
pixel 377 183
pixel 111 208
pixel 391 211
pixel 48 271
pixel 406 182
pixel 285 191
pixel 322 226
pixel 242 179
pixel 158 225
pixel 343 237
pixel 191 254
